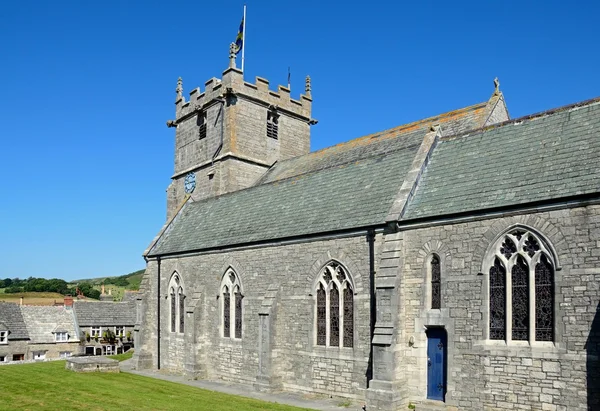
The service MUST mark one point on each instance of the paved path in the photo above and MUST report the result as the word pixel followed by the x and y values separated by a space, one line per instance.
pixel 244 391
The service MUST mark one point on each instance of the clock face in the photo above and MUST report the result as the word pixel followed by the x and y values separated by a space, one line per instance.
pixel 189 183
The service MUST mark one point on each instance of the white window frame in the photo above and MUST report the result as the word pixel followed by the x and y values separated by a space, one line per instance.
pixel 62 336
pixel 3 337
pixel 93 333
pixel 39 355
pixel 65 354
pixel 119 331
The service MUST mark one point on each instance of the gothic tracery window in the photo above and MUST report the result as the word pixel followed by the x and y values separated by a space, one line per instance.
pixel 177 298
pixel 334 307
pixel 521 286
pixel 436 276
pixel 232 305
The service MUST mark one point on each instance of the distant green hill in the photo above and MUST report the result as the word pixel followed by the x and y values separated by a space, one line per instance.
pixel 129 281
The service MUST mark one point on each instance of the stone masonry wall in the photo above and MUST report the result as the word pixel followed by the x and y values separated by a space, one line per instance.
pixel 485 375
pixel 297 364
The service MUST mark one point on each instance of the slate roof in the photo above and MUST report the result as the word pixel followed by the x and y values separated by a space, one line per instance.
pixel 10 315
pixel 43 321
pixel 353 185
pixel 542 157
pixel 103 313
pixel 346 186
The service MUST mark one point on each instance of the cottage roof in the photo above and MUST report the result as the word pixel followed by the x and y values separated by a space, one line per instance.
pixel 541 157
pixel 42 322
pixel 104 313
pixel 10 315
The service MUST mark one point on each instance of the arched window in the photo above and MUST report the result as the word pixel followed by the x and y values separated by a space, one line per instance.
pixel 177 297
pixel 334 307
pixel 232 305
pixel 173 309
pixel 436 281
pixel 521 285
pixel 181 299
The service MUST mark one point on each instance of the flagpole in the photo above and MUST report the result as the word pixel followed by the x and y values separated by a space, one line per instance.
pixel 244 38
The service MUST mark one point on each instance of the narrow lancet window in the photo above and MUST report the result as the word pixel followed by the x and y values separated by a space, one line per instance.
pixel 544 300
pixel 436 296
pixel 497 301
pixel 520 300
pixel 321 316
pixel 238 314
pixel 348 318
pixel 226 312
pixel 181 310
pixel 173 310
pixel 334 316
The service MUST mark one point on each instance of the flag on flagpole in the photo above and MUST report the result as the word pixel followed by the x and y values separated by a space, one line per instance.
pixel 239 40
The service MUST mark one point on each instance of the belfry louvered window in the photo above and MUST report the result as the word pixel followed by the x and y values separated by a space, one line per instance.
pixel 334 307
pixel 232 305
pixel 272 125
pixel 202 121
pixel 521 289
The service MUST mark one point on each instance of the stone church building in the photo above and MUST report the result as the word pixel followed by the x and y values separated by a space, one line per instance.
pixel 452 263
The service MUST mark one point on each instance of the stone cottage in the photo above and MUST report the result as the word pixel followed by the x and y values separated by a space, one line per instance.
pixel 106 327
pixel 37 332
pixel 450 263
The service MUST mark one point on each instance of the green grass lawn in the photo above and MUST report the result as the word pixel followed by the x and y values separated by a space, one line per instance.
pixel 122 357
pixel 48 386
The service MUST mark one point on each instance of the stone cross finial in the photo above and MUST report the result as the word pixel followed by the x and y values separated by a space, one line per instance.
pixel 496 86
pixel 232 50
pixel 179 89
pixel 307 87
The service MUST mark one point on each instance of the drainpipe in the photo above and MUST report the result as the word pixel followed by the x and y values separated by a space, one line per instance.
pixel 158 315
pixel 372 302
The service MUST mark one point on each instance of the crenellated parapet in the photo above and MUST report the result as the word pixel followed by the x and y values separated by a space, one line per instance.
pixel 232 85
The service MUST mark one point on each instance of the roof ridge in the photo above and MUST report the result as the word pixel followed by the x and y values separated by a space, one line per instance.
pixel 396 128
pixel 527 117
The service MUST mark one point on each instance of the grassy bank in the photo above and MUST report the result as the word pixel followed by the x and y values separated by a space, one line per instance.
pixel 48 386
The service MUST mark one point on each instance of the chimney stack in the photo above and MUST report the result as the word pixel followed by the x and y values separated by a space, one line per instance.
pixel 68 301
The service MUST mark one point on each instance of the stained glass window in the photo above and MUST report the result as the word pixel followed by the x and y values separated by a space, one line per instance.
pixel 238 315
pixel 334 316
pixel 173 310
pixel 497 301
pixel 514 256
pixel 226 312
pixel 435 282
pixel 335 307
pixel 181 311
pixel 544 300
pixel 321 317
pixel 348 318
pixel 520 300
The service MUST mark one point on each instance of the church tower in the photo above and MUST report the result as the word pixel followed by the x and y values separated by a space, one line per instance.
pixel 228 135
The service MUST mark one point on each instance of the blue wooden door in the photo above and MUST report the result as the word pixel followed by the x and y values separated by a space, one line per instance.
pixel 436 363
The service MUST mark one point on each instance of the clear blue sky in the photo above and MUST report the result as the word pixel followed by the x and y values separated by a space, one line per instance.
pixel 86 88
